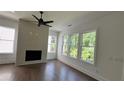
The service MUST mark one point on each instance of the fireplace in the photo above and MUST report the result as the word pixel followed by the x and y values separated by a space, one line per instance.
pixel 32 55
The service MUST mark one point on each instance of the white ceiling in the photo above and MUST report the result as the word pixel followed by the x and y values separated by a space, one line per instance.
pixel 61 18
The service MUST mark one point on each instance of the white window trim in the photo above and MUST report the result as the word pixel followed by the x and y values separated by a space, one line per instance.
pixel 51 44
pixel 9 53
pixel 82 61
pixel 70 45
pixel 51 51
pixel 69 35
pixel 63 45
pixel 80 47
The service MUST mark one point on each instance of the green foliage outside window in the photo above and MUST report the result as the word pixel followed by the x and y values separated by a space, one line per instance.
pixel 73 45
pixel 88 40
pixel 88 46
pixel 65 45
pixel 88 54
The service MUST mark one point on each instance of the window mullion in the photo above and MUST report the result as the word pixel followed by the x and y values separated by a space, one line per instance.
pixel 79 47
pixel 69 43
pixel 7 40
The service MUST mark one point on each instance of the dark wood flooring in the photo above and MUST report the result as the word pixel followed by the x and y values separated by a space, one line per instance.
pixel 51 71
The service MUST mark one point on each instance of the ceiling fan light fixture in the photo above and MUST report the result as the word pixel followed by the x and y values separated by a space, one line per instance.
pixel 41 21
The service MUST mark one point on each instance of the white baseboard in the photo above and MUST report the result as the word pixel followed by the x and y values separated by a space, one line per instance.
pixel 94 75
pixel 6 61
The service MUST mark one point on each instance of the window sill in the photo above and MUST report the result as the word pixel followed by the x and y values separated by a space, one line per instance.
pixel 51 52
pixel 70 57
pixel 84 62
pixel 80 60
pixel 6 53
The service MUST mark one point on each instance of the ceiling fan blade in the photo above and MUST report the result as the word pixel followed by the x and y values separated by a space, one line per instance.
pixel 29 21
pixel 35 17
pixel 32 21
pixel 40 21
pixel 48 22
pixel 48 25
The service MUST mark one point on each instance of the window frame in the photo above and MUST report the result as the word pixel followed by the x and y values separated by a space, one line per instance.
pixel 70 45
pixel 63 45
pixel 81 36
pixel 68 50
pixel 13 50
pixel 52 43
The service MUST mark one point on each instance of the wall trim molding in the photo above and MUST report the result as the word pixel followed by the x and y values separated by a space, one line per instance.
pixel 85 71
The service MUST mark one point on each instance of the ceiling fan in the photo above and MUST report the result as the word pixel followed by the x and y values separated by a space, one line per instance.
pixel 41 21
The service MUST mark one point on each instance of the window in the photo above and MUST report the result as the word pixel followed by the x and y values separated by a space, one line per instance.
pixel 88 47
pixel 65 45
pixel 52 40
pixel 7 39
pixel 73 49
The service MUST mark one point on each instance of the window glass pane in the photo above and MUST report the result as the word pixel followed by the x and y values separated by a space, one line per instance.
pixel 52 44
pixel 48 48
pixel 7 39
pixel 6 46
pixel 89 39
pixel 88 54
pixel 7 33
pixel 65 45
pixel 88 46
pixel 49 40
pixel 65 49
pixel 53 47
pixel 73 45
pixel 53 39
pixel 65 38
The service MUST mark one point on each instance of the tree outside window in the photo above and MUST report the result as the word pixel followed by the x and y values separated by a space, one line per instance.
pixel 73 49
pixel 65 44
pixel 88 47
pixel 87 50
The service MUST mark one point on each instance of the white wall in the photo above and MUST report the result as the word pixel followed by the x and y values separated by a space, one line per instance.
pixel 31 37
pixel 110 47
pixel 9 58
pixel 51 56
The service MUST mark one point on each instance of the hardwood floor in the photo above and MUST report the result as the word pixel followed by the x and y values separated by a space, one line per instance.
pixel 51 71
